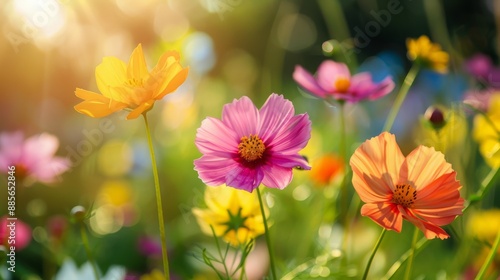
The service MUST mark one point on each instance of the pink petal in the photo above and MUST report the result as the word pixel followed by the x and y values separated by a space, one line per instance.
pixel 376 165
pixel 273 115
pixel 212 170
pixel 39 149
pixel 51 169
pixel 276 176
pixel 214 137
pixel 385 214
pixel 289 161
pixel 244 178
pixel 292 136
pixel 22 233
pixel 307 81
pixel 329 71
pixel 241 116
pixel 363 87
pixel 11 146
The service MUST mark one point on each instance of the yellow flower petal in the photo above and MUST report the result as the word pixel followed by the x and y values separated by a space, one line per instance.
pixel 144 107
pixel 137 66
pixel 111 72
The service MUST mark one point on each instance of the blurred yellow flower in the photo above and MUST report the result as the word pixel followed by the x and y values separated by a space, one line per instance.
pixel 131 86
pixel 154 275
pixel 422 50
pixel 487 133
pixel 484 225
pixel 234 215
pixel 442 128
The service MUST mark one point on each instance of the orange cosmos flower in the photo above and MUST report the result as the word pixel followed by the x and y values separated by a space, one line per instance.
pixel 131 86
pixel 421 188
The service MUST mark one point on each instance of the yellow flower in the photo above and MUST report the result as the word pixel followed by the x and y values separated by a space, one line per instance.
pixel 424 51
pixel 443 128
pixel 234 215
pixel 154 275
pixel 484 225
pixel 131 86
pixel 487 133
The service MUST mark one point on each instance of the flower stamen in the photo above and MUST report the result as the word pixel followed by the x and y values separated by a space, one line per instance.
pixel 251 148
pixel 342 84
pixel 404 195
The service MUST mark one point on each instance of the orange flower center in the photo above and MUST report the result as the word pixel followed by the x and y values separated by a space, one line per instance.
pixel 404 195
pixel 342 84
pixel 251 148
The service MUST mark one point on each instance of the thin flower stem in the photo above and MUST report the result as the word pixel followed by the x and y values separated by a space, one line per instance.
pixel 343 153
pixel 485 186
pixel 412 254
pixel 400 98
pixel 85 241
pixel 268 239
pixel 420 245
pixel 365 274
pixel 159 205
pixel 489 258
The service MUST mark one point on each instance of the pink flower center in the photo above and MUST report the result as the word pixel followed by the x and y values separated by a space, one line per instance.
pixel 342 84
pixel 251 148
pixel 404 195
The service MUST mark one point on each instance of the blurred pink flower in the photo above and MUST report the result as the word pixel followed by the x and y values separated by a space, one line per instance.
pixel 20 231
pixel 248 146
pixel 32 157
pixel 480 99
pixel 334 80
pixel 479 66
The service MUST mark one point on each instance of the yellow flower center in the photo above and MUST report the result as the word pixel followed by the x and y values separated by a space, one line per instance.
pixel 251 148
pixel 404 195
pixel 342 84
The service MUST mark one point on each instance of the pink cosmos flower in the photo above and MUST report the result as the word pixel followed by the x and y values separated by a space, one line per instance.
pixel 33 157
pixel 421 187
pixel 334 80
pixel 247 146
pixel 20 237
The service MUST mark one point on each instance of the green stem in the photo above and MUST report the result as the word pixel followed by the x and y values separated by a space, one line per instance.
pixel 365 274
pixel 420 245
pixel 85 241
pixel 490 257
pixel 159 205
pixel 268 239
pixel 400 98
pixel 485 186
pixel 412 254
pixel 343 153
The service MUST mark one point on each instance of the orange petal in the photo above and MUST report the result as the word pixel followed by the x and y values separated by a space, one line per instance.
pixel 423 166
pixel 385 214
pixel 141 109
pixel 376 164
pixel 440 193
pixel 430 230
pixel 137 67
